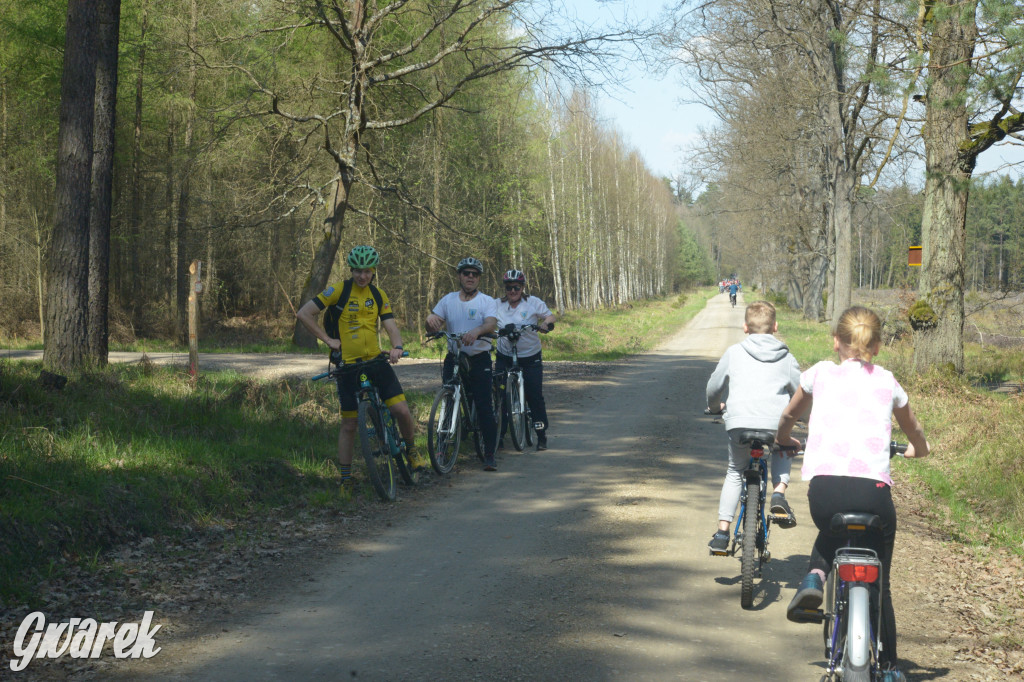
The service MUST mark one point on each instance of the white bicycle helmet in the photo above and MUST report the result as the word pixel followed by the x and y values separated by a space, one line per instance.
pixel 470 262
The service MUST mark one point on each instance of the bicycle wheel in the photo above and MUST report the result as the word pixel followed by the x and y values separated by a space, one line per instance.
pixel 498 405
pixel 478 436
pixel 379 463
pixel 409 477
pixel 444 431
pixel 831 620
pixel 750 514
pixel 516 413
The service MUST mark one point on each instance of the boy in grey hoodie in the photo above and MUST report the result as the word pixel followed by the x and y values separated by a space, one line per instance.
pixel 756 378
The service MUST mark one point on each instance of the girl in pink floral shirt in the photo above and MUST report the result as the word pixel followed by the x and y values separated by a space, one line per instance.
pixel 846 458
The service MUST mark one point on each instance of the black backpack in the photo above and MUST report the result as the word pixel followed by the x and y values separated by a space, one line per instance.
pixel 333 313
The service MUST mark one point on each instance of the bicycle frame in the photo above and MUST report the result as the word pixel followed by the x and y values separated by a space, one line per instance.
pixel 516 369
pixel 518 409
pixel 369 393
pixel 368 398
pixel 756 470
pixel 446 426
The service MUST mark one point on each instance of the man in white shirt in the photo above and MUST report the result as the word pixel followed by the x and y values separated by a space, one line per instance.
pixel 471 313
pixel 518 308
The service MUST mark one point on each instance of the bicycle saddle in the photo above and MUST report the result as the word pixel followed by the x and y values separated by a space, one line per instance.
pixel 844 522
pixel 762 437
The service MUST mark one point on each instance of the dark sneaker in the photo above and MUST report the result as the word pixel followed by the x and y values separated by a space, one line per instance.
pixel 719 544
pixel 490 464
pixel 542 440
pixel 808 597
pixel 780 511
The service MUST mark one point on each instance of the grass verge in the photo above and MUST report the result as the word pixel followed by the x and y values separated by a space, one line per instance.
pixel 137 451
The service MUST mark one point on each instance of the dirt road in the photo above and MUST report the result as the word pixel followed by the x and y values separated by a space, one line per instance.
pixel 585 562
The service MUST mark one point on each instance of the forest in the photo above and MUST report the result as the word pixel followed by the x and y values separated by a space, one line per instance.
pixel 230 124
pixel 849 130
pixel 267 138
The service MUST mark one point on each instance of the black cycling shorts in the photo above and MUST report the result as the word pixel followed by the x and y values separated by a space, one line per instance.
pixel 383 377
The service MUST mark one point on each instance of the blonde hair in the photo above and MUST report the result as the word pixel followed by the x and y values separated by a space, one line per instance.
pixel 860 330
pixel 760 317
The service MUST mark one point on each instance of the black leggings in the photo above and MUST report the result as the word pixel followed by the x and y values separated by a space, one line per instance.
pixel 829 495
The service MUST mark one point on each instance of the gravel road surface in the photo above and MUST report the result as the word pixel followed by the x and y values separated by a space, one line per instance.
pixel 584 562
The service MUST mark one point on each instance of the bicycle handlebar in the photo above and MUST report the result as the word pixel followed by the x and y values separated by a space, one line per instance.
pixel 445 334
pixel 897 449
pixel 511 329
pixel 338 370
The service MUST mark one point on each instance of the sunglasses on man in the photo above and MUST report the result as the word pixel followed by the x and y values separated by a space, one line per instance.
pixel 470 273
pixel 512 287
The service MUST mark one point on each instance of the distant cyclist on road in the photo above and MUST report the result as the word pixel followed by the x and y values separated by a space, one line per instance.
pixel 734 287
pixel 357 340
pixel 518 308
pixel 471 313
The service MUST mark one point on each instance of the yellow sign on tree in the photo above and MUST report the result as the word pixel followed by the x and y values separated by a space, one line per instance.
pixel 914 257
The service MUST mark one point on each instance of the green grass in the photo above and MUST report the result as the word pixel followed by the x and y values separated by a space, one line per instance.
pixel 133 451
pixel 972 473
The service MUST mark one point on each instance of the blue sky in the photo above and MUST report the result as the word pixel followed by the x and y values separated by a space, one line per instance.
pixel 646 110
pixel 651 118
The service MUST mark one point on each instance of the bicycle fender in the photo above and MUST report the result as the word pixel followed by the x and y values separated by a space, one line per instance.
pixel 858 633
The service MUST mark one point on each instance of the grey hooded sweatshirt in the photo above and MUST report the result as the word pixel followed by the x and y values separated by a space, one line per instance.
pixel 755 379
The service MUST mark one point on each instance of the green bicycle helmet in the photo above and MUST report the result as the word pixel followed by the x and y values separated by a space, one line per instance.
pixel 363 257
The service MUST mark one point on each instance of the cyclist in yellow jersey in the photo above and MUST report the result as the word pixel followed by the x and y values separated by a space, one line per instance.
pixel 357 340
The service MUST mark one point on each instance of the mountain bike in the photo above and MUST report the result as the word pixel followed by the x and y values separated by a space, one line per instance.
pixel 753 525
pixel 852 613
pixel 453 413
pixel 379 441
pixel 513 400
pixel 732 299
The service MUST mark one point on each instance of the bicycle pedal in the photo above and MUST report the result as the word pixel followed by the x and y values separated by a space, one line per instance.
pixel 807 616
pixel 721 552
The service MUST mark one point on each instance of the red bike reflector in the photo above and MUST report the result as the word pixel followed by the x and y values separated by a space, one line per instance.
pixel 858 573
pixel 756 454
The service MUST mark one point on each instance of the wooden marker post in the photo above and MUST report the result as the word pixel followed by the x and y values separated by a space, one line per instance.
pixel 195 288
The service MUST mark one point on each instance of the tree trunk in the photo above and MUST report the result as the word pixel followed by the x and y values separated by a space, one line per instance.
pixel 948 171
pixel 843 189
pixel 183 244
pixel 108 30
pixel 3 150
pixel 323 258
pixel 68 261
pixel 135 254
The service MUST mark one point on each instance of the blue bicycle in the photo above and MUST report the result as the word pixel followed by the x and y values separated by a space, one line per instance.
pixel 753 525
